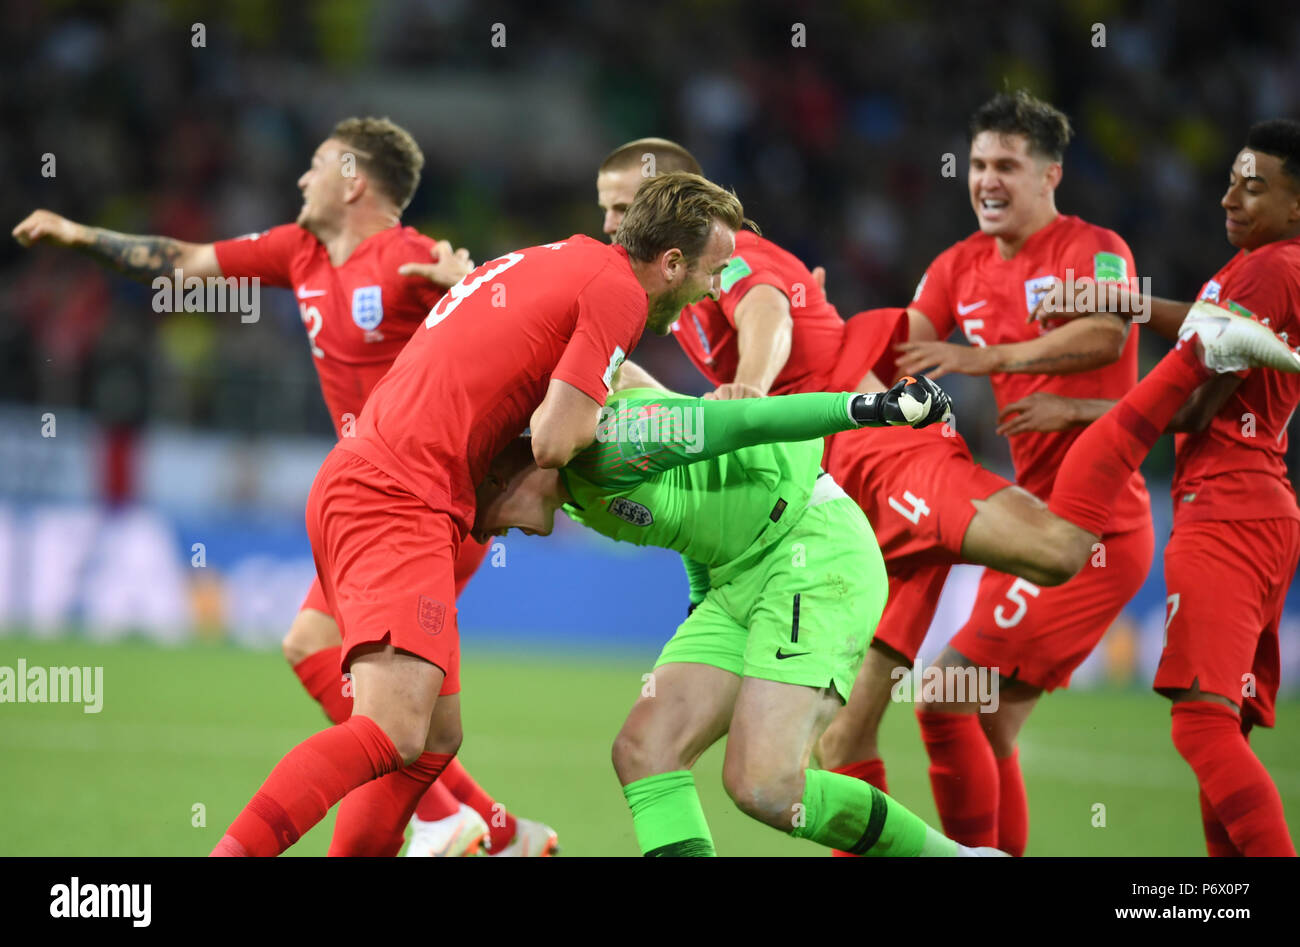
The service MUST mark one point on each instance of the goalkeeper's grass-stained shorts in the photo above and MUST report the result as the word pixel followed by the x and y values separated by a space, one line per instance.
pixel 803 612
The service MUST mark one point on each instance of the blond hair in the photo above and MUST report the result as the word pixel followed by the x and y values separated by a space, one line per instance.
pixel 677 210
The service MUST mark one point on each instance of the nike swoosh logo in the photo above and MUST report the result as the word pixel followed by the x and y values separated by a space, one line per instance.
pixel 781 655
pixel 309 293
pixel 962 310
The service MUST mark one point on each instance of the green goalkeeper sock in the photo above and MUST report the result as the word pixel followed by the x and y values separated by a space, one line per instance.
pixel 667 816
pixel 853 816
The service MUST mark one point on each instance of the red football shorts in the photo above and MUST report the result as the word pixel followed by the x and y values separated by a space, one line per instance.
pixel 1227 582
pixel 1039 635
pixel 386 563
pixel 913 597
pixel 467 562
pixel 915 487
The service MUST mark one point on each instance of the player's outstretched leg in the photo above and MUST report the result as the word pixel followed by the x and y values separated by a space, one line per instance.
pixel 395 697
pixel 773 731
pixel 684 708
pixel 1105 455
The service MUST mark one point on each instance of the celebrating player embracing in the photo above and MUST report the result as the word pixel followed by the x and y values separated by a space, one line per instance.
pixel 532 338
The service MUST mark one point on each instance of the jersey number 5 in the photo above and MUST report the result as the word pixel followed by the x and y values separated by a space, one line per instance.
pixel 462 290
pixel 1016 594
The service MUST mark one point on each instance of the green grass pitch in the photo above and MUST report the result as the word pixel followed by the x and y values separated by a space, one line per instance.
pixel 202 725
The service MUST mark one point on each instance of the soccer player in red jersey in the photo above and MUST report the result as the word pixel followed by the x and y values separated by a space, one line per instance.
pixel 1236 536
pixel 531 338
pixel 344 257
pixel 990 283
pixel 928 502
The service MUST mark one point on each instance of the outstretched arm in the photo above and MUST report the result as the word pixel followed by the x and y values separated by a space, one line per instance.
pixel 1078 346
pixel 647 432
pixel 141 258
pixel 1086 298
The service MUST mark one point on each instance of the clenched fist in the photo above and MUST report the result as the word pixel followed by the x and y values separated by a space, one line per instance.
pixel 50 227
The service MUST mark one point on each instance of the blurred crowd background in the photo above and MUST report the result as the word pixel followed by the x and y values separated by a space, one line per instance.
pixel 836 148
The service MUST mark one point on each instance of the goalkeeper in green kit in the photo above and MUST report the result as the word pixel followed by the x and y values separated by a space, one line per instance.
pixel 786 587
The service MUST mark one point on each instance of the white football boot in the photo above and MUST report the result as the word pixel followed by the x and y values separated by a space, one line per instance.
pixel 457 836
pixel 532 840
pixel 1230 343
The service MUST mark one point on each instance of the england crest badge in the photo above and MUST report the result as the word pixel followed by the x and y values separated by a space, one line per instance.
pixel 368 307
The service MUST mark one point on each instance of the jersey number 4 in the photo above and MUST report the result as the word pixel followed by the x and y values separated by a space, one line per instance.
pixel 918 509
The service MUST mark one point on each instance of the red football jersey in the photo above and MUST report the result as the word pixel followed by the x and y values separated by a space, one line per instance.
pixel 991 298
pixel 1236 468
pixel 471 377
pixel 707 330
pixel 358 315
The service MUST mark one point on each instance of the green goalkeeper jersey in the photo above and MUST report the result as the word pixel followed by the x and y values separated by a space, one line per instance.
pixel 717 481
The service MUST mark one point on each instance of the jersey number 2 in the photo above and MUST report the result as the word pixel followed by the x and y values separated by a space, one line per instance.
pixel 311 318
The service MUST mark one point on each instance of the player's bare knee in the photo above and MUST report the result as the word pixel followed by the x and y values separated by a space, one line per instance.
pixel 1066 550
pixel 770 796
pixel 296 645
pixel 311 631
pixel 636 756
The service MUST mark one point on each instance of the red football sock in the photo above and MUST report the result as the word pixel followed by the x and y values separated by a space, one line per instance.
pixel 963 775
pixel 437 803
pixel 1101 460
pixel 1218 844
pixel 1013 806
pixel 462 785
pixel 320 674
pixel 869 771
pixel 1238 787
pixel 314 775
pixel 372 819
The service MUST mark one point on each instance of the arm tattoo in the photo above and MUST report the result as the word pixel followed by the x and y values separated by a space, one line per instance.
pixel 141 258
pixel 1062 363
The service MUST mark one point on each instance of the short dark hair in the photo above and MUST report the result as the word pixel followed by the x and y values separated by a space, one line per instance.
pixel 676 209
pixel 1279 137
pixel 667 155
pixel 1018 113
pixel 387 153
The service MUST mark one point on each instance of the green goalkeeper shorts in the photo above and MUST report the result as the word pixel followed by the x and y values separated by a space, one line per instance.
pixel 803 613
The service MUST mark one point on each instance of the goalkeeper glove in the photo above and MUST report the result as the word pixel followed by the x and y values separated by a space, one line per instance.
pixel 914 400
